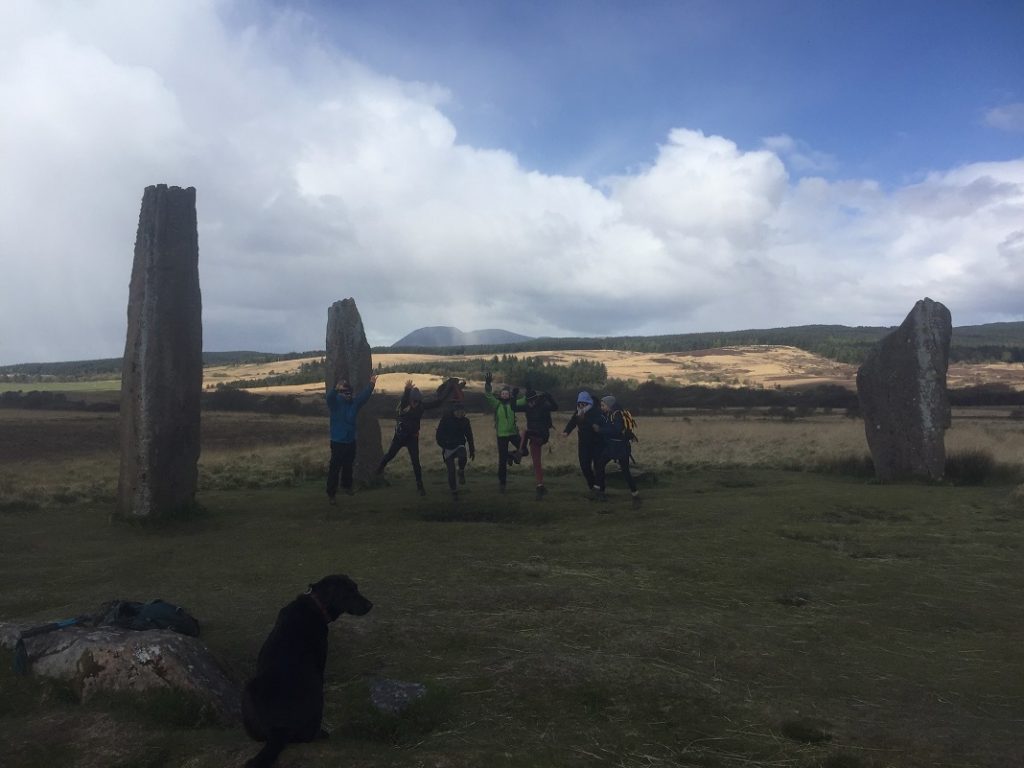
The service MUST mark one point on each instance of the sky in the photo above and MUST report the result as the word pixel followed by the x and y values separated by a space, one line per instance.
pixel 556 168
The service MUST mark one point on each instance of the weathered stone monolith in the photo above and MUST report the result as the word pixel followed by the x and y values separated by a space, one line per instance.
pixel 902 392
pixel 348 357
pixel 162 373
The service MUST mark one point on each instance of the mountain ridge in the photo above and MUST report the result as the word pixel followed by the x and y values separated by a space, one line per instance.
pixel 450 336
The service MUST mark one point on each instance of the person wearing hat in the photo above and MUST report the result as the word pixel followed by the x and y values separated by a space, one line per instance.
pixel 586 418
pixel 538 409
pixel 455 435
pixel 407 431
pixel 615 447
pixel 344 408
pixel 505 426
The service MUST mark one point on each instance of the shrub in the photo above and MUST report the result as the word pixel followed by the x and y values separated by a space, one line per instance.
pixel 970 467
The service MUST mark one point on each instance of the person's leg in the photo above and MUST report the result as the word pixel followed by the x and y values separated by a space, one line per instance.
pixel 524 443
pixel 535 447
pixel 624 463
pixel 600 467
pixel 502 461
pixel 633 491
pixel 587 465
pixel 516 452
pixel 414 456
pixel 332 471
pixel 348 458
pixel 396 445
pixel 463 459
pixel 450 466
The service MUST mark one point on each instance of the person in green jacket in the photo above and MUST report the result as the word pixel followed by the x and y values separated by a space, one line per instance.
pixel 504 426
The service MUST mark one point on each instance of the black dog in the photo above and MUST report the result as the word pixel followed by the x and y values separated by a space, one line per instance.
pixel 284 703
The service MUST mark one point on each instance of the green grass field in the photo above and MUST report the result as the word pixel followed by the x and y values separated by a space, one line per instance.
pixel 743 616
pixel 71 387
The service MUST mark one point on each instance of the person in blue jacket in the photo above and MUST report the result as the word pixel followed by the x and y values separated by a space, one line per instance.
pixel 344 407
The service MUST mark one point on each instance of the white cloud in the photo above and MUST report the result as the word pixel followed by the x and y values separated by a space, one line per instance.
pixel 799 155
pixel 1008 117
pixel 318 179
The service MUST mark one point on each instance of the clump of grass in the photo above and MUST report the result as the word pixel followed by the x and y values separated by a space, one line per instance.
pixel 848 465
pixel 161 708
pixel 971 467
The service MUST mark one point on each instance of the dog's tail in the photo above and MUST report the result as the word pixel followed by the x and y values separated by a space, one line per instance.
pixel 267 756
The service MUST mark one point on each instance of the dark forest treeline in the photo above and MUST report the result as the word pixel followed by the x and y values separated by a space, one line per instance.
pixel 648 398
pixel 992 342
pixel 971 343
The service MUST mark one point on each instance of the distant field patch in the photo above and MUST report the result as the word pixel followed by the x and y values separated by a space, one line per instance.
pixel 105 385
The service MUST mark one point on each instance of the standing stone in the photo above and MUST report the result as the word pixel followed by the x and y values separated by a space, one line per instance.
pixel 162 372
pixel 902 392
pixel 348 357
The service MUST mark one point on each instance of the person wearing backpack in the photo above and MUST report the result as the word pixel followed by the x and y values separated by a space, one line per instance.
pixel 455 435
pixel 407 430
pixel 505 427
pixel 343 409
pixel 538 409
pixel 585 420
pixel 616 446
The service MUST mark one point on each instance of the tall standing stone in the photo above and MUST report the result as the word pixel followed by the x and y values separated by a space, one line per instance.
pixel 348 357
pixel 902 392
pixel 162 373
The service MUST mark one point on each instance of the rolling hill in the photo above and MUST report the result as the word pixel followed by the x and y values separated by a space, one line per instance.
pixel 447 336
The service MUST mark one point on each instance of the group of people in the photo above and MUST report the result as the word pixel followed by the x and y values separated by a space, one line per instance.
pixel 603 434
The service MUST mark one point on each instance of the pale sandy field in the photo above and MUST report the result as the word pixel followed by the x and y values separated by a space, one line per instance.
pixel 766 366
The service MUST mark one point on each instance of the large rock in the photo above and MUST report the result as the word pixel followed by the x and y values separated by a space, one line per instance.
pixel 902 392
pixel 113 660
pixel 162 374
pixel 348 357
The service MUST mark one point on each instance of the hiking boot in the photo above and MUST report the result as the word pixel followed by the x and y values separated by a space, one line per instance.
pixel 597 494
pixel 517 457
pixel 525 452
pixel 462 477
pixel 541 490
pixel 637 501
pixel 422 490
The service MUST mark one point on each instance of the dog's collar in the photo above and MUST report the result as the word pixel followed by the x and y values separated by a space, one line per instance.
pixel 316 601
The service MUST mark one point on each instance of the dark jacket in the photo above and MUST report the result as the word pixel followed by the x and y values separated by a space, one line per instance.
pixel 538 412
pixel 612 429
pixel 343 413
pixel 453 431
pixel 410 414
pixel 589 437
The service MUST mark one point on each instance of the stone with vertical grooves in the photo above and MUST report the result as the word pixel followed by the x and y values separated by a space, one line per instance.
pixel 348 357
pixel 162 373
pixel 902 392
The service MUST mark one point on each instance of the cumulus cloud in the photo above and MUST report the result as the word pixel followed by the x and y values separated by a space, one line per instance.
pixel 1008 117
pixel 799 155
pixel 318 178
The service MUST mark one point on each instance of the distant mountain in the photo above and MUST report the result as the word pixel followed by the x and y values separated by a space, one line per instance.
pixel 446 336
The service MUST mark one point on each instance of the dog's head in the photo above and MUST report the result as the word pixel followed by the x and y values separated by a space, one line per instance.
pixel 339 594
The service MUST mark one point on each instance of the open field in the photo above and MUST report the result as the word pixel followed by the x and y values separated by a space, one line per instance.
pixel 749 614
pixel 767 366
pixel 763 366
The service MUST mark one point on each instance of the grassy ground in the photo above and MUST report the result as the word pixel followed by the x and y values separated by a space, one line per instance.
pixel 744 616
pixel 72 387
